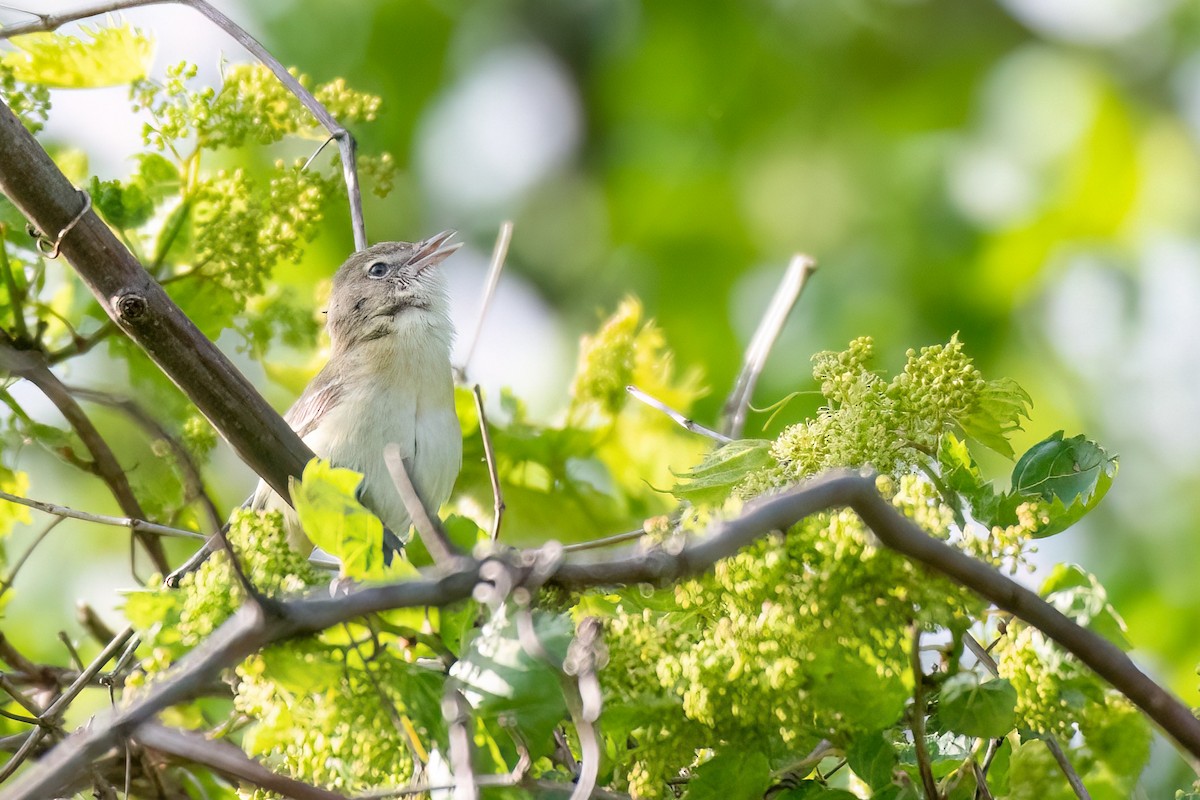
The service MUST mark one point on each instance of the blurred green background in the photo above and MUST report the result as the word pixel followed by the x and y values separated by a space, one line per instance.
pixel 1025 172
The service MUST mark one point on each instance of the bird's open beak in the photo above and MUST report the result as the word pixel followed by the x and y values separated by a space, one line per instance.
pixel 433 251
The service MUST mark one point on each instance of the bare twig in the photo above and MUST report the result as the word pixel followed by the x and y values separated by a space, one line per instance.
pixel 93 624
pixel 1060 757
pixel 137 525
pixel 67 643
pixel 7 583
pixel 499 253
pixel 917 721
pixel 131 298
pixel 49 718
pixel 684 422
pixel 435 539
pixel 227 759
pixel 31 366
pixel 493 473
pixel 798 272
pixel 83 344
pixel 346 146
pixel 458 719
pixel 616 538
pixel 250 629
pixel 1072 776
pixel 981 787
pixel 193 480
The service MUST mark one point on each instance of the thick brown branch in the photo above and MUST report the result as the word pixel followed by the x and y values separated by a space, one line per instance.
pixel 138 305
pixel 31 366
pixel 345 142
pixel 226 759
pixel 251 629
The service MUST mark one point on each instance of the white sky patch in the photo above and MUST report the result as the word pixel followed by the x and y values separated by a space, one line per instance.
pixel 508 123
pixel 1089 21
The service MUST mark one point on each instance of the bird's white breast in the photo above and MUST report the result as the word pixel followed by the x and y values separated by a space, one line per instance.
pixel 394 393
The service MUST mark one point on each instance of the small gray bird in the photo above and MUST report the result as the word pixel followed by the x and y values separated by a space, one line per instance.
pixel 388 380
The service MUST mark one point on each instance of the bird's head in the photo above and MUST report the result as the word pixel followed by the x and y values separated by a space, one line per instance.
pixel 391 288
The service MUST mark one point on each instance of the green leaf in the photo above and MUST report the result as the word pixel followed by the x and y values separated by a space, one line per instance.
pixel 972 708
pixel 1077 594
pixel 334 520
pixel 499 678
pixel 815 790
pixel 111 56
pixel 873 759
pixel 995 414
pixel 148 610
pixel 1072 475
pixel 123 206
pixel 731 775
pixel 961 474
pixel 157 175
pixel 722 470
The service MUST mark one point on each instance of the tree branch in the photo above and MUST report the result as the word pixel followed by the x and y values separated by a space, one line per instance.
pixel 251 629
pixel 345 142
pixel 225 758
pixel 139 306
pixel 30 365
pixel 192 479
pixel 794 280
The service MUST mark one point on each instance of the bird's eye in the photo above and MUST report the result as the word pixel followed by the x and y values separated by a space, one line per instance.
pixel 378 269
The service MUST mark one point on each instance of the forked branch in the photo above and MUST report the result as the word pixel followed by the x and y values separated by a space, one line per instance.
pixel 337 132
pixel 249 630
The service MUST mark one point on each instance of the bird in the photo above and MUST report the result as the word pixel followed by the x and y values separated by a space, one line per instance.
pixel 388 380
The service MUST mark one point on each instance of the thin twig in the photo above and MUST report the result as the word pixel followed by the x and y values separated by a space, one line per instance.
pixel 499 253
pixel 346 145
pixel 92 623
pixel 616 538
pixel 137 525
pixel 7 583
pixel 798 272
pixel 32 367
pixel 83 344
pixel 49 717
pixel 917 721
pixel 981 787
pixel 440 548
pixel 1072 776
pixel 685 422
pixel 1069 771
pixel 458 719
pixel 67 643
pixel 493 473
pixel 225 758
pixel 193 480
pixel 250 629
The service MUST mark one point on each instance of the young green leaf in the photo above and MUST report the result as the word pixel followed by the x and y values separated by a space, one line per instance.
pixel 1072 475
pixel 110 56
pixel 972 708
pixel 995 414
pixel 499 677
pixel 734 774
pixel 723 469
pixel 873 759
pixel 335 521
pixel 1077 594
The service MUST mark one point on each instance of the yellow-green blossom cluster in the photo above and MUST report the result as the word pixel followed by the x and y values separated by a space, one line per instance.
pixel 794 639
